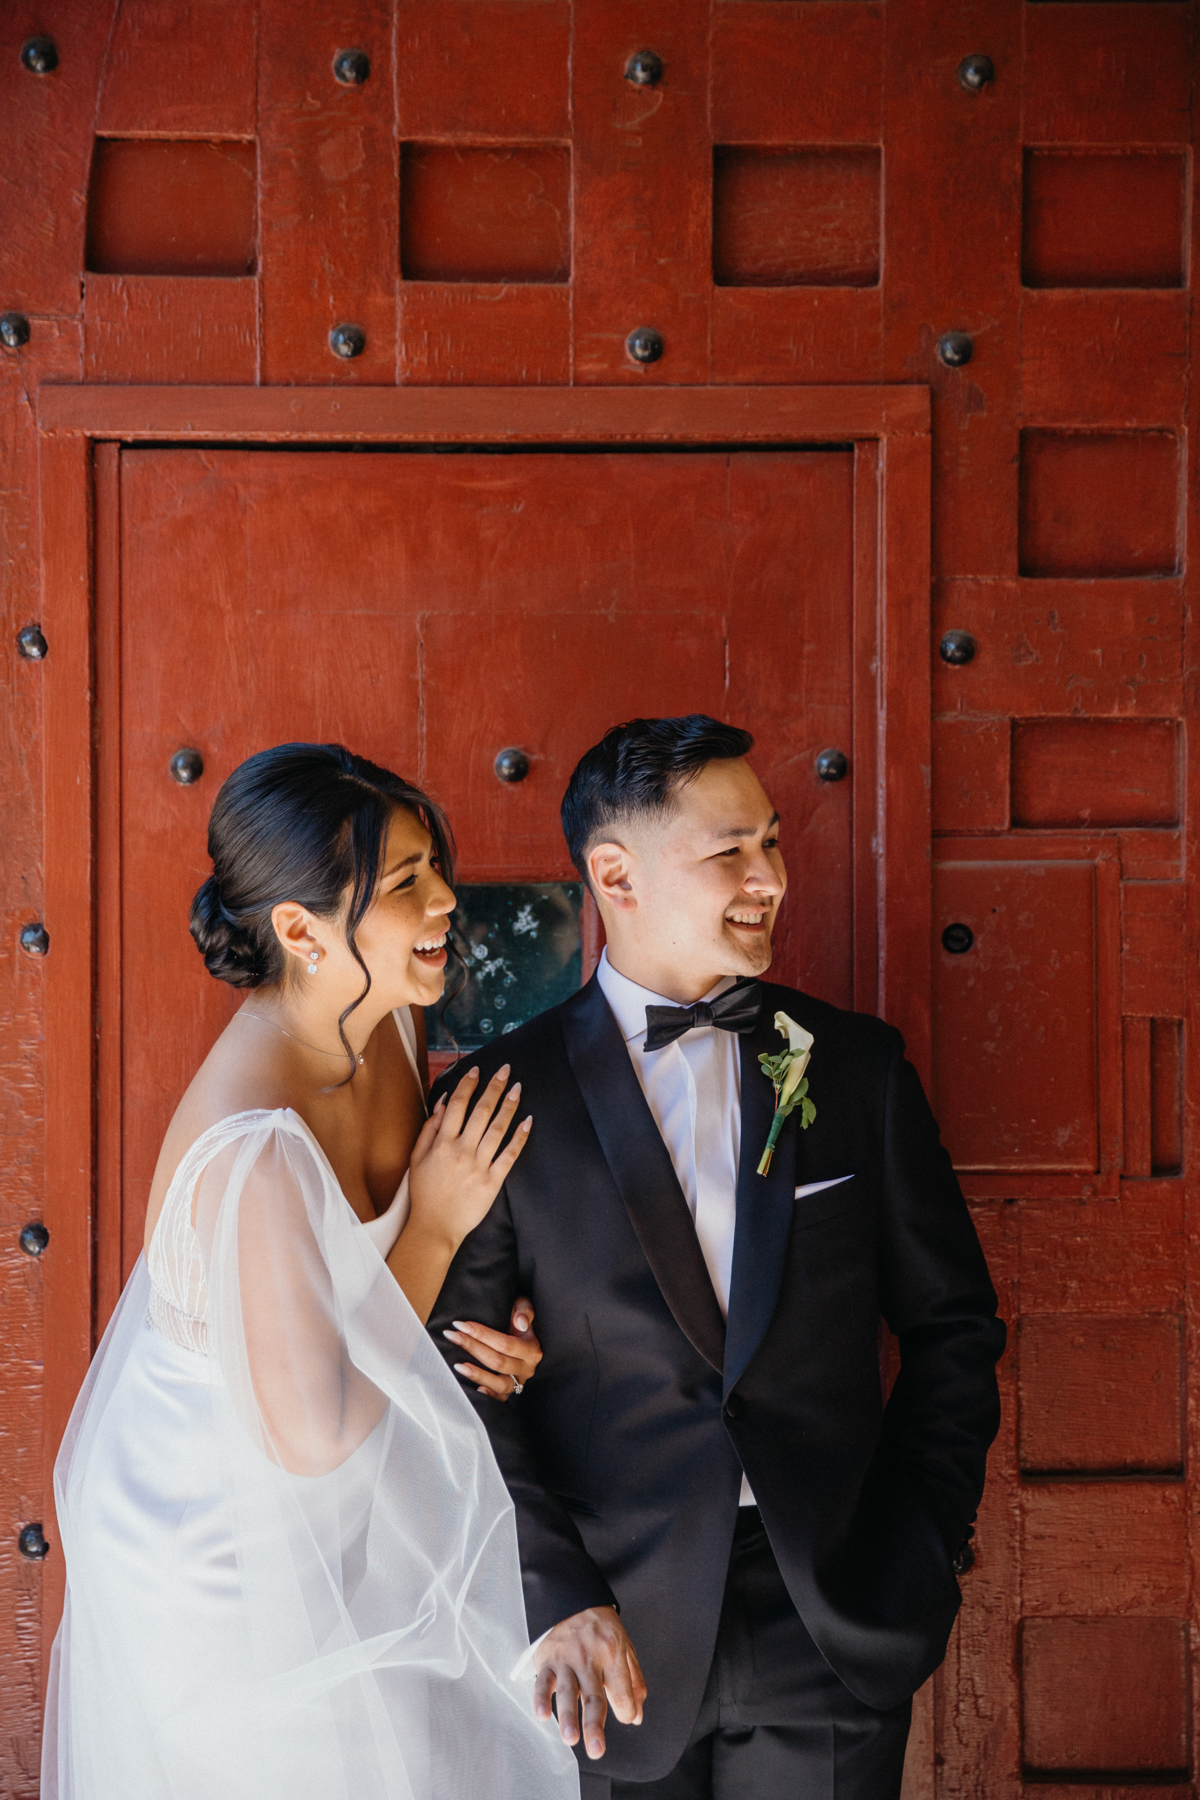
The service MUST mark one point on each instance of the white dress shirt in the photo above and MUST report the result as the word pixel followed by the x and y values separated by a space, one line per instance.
pixel 693 1088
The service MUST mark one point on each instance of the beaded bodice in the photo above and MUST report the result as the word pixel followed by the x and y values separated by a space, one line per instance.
pixel 178 1299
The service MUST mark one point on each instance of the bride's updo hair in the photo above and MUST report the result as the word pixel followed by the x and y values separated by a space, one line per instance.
pixel 302 822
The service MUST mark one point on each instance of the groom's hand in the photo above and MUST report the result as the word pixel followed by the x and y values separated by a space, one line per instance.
pixel 589 1660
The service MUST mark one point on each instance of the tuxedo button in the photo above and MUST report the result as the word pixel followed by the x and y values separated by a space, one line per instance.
pixel 734 1408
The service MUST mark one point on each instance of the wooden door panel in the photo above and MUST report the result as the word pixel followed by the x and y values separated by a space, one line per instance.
pixel 432 610
pixel 1026 982
pixel 1016 1008
pixel 1101 1395
pixel 1105 1695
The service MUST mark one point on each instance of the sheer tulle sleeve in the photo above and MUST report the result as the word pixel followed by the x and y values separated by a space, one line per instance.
pixel 381 1646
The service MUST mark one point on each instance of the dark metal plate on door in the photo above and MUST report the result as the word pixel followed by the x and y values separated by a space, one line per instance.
pixel 520 942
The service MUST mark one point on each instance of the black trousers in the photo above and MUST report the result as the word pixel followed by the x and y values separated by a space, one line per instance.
pixel 775 1723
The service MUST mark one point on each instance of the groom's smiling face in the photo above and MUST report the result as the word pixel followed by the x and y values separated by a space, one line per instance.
pixel 693 896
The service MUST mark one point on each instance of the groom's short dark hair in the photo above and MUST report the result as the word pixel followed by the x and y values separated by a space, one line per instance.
pixel 636 770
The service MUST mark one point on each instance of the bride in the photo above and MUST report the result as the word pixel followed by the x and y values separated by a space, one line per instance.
pixel 291 1560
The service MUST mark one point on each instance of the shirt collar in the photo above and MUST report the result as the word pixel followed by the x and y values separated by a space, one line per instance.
pixel 629 1001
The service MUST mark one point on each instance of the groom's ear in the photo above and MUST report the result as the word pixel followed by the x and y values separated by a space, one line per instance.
pixel 609 867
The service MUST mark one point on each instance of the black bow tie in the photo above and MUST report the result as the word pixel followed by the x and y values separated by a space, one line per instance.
pixel 737 1009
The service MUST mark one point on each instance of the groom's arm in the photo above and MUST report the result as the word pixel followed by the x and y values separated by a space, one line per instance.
pixel 559 1576
pixel 944 1409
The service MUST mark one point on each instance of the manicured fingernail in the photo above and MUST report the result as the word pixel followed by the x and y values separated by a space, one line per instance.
pixel 514 1092
pixel 440 1104
pixel 461 1369
pixel 502 1072
pixel 472 1074
pixel 527 1124
pixel 459 1324
pixel 452 1335
pixel 522 1323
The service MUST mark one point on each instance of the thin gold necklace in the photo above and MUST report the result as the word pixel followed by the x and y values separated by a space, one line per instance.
pixel 316 1048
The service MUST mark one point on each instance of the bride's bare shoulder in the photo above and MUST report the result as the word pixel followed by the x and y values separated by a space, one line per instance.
pixel 238 1075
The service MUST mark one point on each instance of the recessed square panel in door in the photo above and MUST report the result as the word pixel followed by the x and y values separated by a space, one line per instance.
pixel 1103 219
pixel 172 207
pixel 1106 772
pixel 1101 1394
pixel 1099 503
pixel 1105 1698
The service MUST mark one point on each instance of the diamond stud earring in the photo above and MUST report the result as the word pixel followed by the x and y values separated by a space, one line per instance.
pixel 313 956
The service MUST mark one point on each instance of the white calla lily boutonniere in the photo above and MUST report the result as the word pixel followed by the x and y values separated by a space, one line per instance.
pixel 786 1074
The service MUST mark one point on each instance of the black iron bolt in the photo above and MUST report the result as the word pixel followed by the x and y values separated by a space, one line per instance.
pixel 14 330
pixel 187 766
pixel 351 67
pixel 40 55
pixel 955 348
pixel 645 345
pixel 957 939
pixel 957 648
pixel 511 765
pixel 35 939
pixel 975 72
pixel 347 341
pixel 31 1542
pixel 34 1239
pixel 644 68
pixel 832 765
pixel 31 644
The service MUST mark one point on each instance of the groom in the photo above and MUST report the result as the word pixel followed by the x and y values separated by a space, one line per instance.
pixel 708 1484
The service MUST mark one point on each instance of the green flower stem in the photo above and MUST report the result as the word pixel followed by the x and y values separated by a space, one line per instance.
pixel 781 1114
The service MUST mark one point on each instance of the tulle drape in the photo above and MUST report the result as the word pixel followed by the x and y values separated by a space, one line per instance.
pixel 292 1563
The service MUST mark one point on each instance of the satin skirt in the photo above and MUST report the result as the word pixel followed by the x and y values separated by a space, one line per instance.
pixel 155 1546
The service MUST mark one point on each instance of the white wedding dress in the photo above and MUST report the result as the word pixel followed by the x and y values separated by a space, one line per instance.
pixel 291 1559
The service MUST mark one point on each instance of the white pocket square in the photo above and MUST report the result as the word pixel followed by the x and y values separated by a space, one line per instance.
pixel 814 1187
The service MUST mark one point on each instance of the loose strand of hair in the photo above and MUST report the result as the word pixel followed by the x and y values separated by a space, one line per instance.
pixel 353 1007
pixel 367 838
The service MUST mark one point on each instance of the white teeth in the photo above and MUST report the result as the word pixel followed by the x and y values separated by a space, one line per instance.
pixel 746 918
pixel 432 943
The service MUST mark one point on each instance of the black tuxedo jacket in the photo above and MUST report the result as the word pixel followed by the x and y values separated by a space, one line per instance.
pixel 624 1456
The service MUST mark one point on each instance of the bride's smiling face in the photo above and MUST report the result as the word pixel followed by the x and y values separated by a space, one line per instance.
pixel 402 936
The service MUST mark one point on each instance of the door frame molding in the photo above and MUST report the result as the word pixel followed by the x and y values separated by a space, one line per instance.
pixel 80 429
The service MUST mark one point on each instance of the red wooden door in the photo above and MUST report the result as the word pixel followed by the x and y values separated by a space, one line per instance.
pixel 814 193
pixel 432 610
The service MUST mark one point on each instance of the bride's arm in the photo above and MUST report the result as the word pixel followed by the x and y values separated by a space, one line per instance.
pixel 273 1313
pixel 457 1169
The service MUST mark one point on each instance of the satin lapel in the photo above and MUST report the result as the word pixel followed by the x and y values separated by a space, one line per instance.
pixel 641 1167
pixel 764 1208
